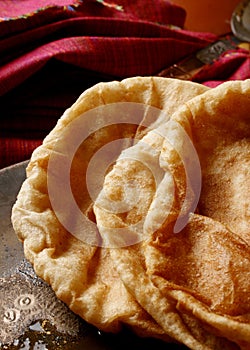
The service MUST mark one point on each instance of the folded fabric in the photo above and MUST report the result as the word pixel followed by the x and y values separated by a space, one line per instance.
pixel 51 52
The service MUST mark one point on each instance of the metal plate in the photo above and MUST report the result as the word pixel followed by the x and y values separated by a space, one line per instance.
pixel 31 316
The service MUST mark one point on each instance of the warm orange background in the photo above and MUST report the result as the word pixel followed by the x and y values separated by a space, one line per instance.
pixel 208 15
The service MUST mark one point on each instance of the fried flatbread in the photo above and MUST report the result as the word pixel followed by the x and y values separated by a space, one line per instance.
pixel 83 275
pixel 198 277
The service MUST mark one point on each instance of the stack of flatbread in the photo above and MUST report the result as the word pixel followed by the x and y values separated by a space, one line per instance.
pixel 136 210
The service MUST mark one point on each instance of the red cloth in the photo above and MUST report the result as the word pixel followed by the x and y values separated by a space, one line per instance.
pixel 50 53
